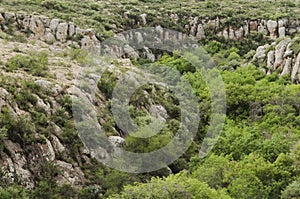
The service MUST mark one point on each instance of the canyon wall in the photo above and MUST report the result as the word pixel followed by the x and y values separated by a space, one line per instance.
pixel 56 30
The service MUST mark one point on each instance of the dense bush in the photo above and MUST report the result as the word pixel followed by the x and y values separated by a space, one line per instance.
pixel 36 64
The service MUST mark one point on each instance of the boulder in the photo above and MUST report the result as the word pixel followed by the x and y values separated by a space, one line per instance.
pixel 158 111
pixel 53 25
pixel 42 104
pixel 54 88
pixel 212 24
pixel 71 30
pixel 49 37
pixel 9 16
pixel 239 33
pixel 160 31
pixel 279 52
pixel 130 51
pixel 295 69
pixel 116 141
pixel 19 163
pixel 46 21
pixel 143 16
pixel 166 35
pixel 200 32
pixel 138 37
pixel 260 54
pixel 288 52
pixel 86 43
pixel 282 23
pixel 24 23
pixel 272 28
pixel 2 20
pixel 62 32
pixel 253 26
pixel 3 93
pixel 47 150
pixel 231 33
pixel 281 32
pixel 287 67
pixel 69 174
pixel 58 147
pixel 36 26
pixel 271 60
pixel 246 28
pixel 225 34
pixel 262 29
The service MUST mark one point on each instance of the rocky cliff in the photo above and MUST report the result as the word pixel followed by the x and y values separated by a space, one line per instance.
pixel 56 30
pixel 282 57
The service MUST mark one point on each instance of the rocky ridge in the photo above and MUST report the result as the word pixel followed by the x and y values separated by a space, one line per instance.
pixel 56 30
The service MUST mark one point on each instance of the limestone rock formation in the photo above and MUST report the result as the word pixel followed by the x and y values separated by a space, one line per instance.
pixel 280 57
pixel 56 30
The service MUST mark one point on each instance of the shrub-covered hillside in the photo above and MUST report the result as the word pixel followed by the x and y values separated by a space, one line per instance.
pixel 44 50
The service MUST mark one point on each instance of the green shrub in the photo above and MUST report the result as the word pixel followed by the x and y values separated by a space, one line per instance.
pixel 36 64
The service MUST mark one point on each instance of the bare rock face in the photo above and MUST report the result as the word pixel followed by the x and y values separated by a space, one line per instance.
pixel 159 111
pixel 296 70
pixel 57 145
pixel 138 37
pixel 271 60
pixel 231 33
pixel 54 88
pixel 200 32
pixel 2 20
pixel 9 16
pixel 17 163
pixel 49 37
pixel 282 60
pixel 253 26
pixel 53 25
pixel 281 32
pixel 225 34
pixel 260 54
pixel 272 28
pixel 86 42
pixel 70 174
pixel 282 23
pixel 37 26
pixel 71 30
pixel 239 33
pixel 62 32
pixel 287 67
pixel 279 52
pixel 144 18
pixel 116 141
pixel 262 29
pixel 246 28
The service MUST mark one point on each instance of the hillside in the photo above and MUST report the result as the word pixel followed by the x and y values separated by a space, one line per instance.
pixel 90 93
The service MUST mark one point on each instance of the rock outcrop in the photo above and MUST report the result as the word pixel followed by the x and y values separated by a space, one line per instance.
pixel 282 57
pixel 56 30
